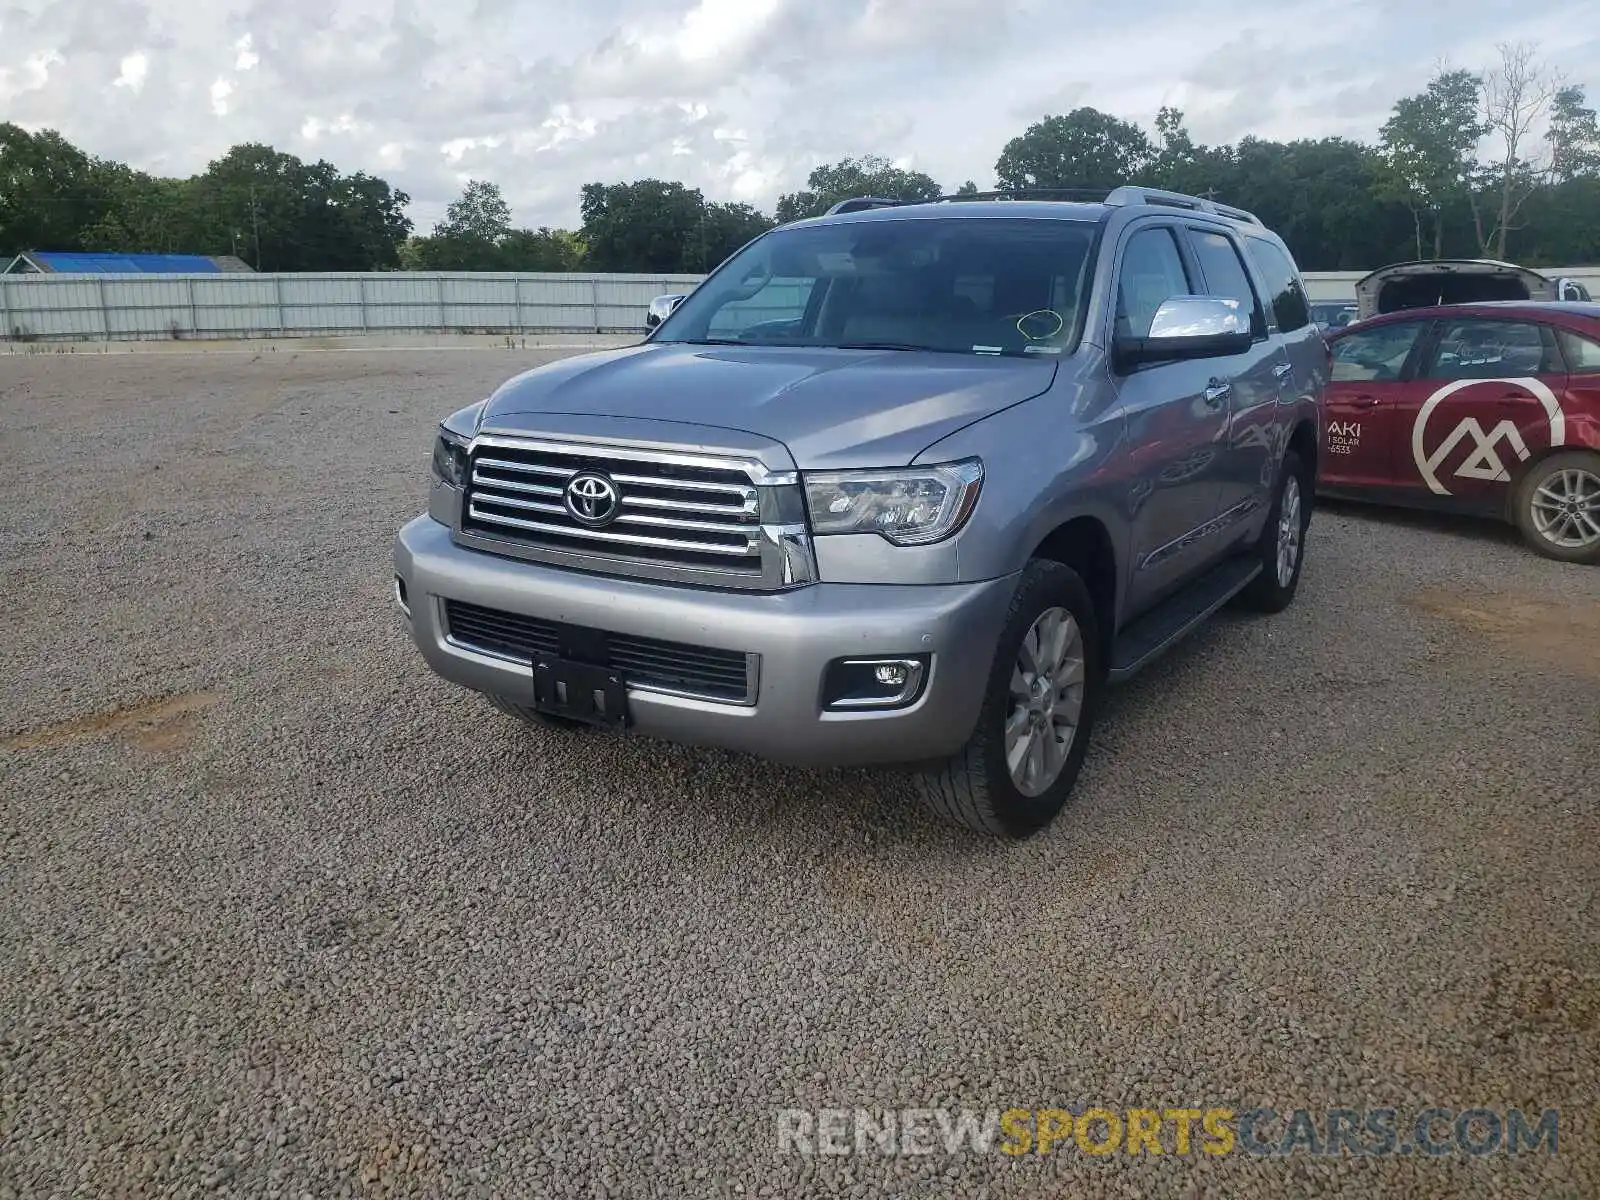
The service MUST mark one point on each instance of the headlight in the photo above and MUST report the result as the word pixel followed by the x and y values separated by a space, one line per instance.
pixel 909 507
pixel 450 459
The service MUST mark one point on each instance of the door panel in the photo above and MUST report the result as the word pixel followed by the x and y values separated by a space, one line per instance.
pixel 1371 369
pixel 1256 377
pixel 1486 399
pixel 1177 425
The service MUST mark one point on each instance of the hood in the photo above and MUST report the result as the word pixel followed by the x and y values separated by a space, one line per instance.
pixel 1446 281
pixel 832 409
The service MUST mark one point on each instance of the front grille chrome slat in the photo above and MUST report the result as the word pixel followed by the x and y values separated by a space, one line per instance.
pixel 649 664
pixel 751 550
pixel 682 512
pixel 742 490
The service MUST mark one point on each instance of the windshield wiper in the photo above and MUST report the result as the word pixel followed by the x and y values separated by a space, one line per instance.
pixel 879 346
pixel 710 341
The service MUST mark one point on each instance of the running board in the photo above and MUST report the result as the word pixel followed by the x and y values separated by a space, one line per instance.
pixel 1164 626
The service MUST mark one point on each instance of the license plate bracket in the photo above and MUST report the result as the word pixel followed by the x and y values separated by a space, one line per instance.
pixel 580 692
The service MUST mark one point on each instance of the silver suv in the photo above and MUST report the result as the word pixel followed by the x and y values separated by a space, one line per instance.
pixel 905 483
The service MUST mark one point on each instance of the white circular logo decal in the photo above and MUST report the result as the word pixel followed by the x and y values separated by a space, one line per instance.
pixel 1484 462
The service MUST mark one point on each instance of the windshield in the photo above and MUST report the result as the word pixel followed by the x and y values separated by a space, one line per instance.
pixel 986 285
pixel 1333 315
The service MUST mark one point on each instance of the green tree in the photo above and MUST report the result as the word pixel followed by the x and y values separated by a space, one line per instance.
pixel 1428 146
pixel 374 219
pixel 1574 137
pixel 870 175
pixel 479 214
pixel 1084 148
pixel 542 249
pixel 48 194
pixel 281 214
pixel 648 225
pixel 723 229
pixel 471 234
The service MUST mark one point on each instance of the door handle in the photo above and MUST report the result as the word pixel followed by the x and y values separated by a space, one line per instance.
pixel 1282 370
pixel 1365 401
pixel 1217 391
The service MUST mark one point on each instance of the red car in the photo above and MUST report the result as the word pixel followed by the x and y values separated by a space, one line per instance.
pixel 1487 408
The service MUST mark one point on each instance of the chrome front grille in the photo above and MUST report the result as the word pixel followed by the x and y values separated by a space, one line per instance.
pixel 674 516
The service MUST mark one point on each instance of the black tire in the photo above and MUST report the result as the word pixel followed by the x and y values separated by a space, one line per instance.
pixel 974 787
pixel 1268 592
pixel 533 716
pixel 1547 471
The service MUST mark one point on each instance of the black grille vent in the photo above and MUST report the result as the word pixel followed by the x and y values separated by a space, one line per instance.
pixel 643 662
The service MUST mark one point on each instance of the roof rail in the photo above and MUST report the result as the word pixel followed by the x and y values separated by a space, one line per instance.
pixel 1126 194
pixel 861 203
pixel 1145 195
pixel 1091 195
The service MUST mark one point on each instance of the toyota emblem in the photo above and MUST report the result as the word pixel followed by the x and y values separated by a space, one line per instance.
pixel 592 499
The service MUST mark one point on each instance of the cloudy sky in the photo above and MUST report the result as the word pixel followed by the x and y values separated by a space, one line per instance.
pixel 738 97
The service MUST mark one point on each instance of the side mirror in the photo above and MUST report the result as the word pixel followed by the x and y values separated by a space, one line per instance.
pixel 1571 289
pixel 660 309
pixel 1187 327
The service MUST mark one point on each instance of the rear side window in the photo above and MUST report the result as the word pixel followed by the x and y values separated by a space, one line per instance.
pixel 1583 353
pixel 1225 274
pixel 1479 349
pixel 1290 309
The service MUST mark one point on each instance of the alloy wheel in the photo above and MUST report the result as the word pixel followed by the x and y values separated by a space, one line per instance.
pixel 1047 686
pixel 1566 509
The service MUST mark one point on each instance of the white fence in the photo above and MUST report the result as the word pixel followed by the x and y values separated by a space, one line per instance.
pixel 119 307
pixel 124 307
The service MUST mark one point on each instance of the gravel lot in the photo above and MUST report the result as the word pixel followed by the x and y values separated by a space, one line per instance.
pixel 282 914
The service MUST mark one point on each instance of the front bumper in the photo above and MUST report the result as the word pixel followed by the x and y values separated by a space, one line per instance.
pixel 796 634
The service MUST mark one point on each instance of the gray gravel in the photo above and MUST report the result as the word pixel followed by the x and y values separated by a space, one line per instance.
pixel 282 914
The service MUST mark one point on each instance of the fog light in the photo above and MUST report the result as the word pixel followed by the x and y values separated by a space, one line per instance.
pixel 400 595
pixel 855 683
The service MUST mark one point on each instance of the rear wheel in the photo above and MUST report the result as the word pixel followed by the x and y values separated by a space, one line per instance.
pixel 1281 547
pixel 1558 507
pixel 1017 770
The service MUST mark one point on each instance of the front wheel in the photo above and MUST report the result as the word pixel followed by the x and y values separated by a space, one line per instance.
pixel 1558 507
pixel 1017 770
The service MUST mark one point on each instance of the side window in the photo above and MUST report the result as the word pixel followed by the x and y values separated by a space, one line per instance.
pixel 1225 274
pixel 1151 272
pixel 779 300
pixel 1583 353
pixel 1375 355
pixel 1478 349
pixel 1287 294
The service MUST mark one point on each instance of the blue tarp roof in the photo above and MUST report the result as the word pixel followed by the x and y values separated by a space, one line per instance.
pixel 126 264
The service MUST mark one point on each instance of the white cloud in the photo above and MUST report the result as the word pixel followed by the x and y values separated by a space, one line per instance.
pixel 132 72
pixel 740 98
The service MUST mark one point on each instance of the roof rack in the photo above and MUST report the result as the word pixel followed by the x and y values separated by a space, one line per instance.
pixel 1126 194
pixel 1145 195
pixel 861 203
pixel 1091 195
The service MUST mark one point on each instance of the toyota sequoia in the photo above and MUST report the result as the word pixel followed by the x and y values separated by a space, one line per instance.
pixel 907 483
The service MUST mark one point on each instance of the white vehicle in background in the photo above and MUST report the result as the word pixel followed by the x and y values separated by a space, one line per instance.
pixel 1437 281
